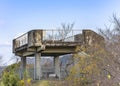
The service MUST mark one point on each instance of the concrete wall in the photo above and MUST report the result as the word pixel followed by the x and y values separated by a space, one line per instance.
pixel 35 38
pixel 91 38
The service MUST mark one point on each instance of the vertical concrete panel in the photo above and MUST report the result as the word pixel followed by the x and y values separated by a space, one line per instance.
pixel 23 66
pixel 91 38
pixel 37 67
pixel 35 38
pixel 57 66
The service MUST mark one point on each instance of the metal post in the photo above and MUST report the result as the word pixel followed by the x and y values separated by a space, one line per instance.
pixel 53 35
pixel 72 32
pixel 62 35
pixel 73 35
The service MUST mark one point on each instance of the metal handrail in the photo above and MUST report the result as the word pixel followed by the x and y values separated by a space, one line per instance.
pixel 50 34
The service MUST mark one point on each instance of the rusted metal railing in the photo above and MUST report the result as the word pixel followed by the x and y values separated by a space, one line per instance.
pixel 56 35
pixel 21 40
pixel 45 35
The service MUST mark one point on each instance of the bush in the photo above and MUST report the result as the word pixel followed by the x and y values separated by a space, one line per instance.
pixel 10 76
pixel 10 79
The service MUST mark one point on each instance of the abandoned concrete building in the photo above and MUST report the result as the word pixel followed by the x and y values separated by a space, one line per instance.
pixel 39 43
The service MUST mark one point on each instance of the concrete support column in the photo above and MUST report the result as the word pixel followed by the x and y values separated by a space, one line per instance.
pixel 37 67
pixel 23 67
pixel 57 66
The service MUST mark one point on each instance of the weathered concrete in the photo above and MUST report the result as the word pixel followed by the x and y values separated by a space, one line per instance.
pixel 37 67
pixel 32 44
pixel 23 67
pixel 57 66
pixel 92 38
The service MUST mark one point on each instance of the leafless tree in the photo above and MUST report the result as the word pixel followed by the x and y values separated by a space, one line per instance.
pixel 112 45
pixel 65 30
pixel 62 32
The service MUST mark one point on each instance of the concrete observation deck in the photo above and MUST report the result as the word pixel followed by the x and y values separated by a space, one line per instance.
pixel 51 43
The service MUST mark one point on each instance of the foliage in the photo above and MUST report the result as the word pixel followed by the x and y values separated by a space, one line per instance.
pixel 10 79
pixel 26 81
pixel 85 69
pixel 112 45
pixel 12 67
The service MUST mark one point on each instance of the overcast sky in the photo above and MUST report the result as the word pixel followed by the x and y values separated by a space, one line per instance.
pixel 20 16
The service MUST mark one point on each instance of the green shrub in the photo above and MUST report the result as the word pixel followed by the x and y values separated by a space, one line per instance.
pixel 10 79
pixel 10 76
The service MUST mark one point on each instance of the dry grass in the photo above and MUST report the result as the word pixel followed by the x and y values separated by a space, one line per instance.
pixel 41 83
pixel 53 83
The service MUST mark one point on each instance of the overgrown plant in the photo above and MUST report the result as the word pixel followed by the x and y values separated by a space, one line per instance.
pixel 85 66
pixel 26 81
pixel 112 45
pixel 10 77
pixel 91 65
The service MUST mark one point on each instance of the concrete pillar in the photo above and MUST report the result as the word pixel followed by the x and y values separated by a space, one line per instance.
pixel 23 67
pixel 37 67
pixel 57 67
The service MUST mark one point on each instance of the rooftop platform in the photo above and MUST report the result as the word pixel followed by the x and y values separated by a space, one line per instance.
pixel 52 42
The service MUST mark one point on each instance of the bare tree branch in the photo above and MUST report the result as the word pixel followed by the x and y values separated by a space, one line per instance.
pixel 112 37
